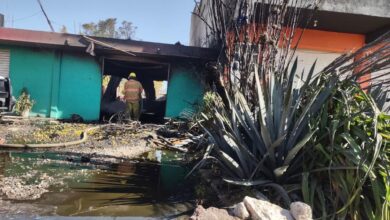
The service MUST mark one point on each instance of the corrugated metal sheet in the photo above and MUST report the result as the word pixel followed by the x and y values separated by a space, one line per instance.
pixel 4 62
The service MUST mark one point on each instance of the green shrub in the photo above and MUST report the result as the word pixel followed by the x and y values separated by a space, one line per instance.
pixel 24 103
pixel 345 172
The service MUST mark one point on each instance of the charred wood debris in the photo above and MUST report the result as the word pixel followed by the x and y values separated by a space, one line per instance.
pixel 177 135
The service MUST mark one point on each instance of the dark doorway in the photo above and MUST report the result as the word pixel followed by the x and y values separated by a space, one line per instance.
pixel 154 80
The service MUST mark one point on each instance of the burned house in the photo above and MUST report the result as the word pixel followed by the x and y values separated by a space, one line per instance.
pixel 64 73
pixel 337 27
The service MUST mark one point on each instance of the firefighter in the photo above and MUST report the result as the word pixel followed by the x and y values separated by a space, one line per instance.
pixel 133 96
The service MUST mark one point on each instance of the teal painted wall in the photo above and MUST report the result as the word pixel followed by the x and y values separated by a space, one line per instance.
pixel 32 69
pixel 184 90
pixel 80 87
pixel 60 83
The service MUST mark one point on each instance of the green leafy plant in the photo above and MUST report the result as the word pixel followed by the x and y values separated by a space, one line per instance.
pixel 312 136
pixel 345 168
pixel 24 102
pixel 330 140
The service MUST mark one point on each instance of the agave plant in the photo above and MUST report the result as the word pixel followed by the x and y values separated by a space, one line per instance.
pixel 296 130
pixel 380 94
pixel 277 128
pixel 273 127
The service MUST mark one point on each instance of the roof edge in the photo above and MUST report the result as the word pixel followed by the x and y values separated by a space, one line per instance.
pixel 73 41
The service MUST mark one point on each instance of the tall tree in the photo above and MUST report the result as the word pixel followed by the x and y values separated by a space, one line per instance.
pixel 126 31
pixel 89 29
pixel 107 28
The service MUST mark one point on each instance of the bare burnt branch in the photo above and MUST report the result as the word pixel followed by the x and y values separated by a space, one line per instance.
pixel 265 35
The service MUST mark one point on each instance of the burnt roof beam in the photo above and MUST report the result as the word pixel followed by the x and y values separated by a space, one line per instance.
pixel 78 42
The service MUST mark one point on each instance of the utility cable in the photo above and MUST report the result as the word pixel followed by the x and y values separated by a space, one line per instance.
pixel 27 17
pixel 44 13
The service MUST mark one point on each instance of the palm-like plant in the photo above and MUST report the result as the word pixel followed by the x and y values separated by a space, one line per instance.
pixel 273 127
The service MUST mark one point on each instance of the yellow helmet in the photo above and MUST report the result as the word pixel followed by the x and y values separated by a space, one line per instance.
pixel 133 75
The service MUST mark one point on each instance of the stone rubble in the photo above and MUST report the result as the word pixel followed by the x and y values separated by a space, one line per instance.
pixel 255 209
pixel 18 189
pixel 301 211
pixel 211 213
pixel 240 211
pixel 263 210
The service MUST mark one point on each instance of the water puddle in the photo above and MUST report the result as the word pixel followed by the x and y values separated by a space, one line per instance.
pixel 152 186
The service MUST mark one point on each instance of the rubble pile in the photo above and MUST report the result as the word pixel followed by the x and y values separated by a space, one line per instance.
pixel 19 189
pixel 255 209
pixel 110 140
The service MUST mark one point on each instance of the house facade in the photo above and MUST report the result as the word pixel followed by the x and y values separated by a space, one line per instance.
pixel 337 27
pixel 63 72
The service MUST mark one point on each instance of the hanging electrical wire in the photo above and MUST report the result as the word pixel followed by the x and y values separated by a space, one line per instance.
pixel 44 13
pixel 27 17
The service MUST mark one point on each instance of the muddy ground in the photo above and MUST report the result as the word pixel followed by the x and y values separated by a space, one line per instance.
pixel 124 141
pixel 108 144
